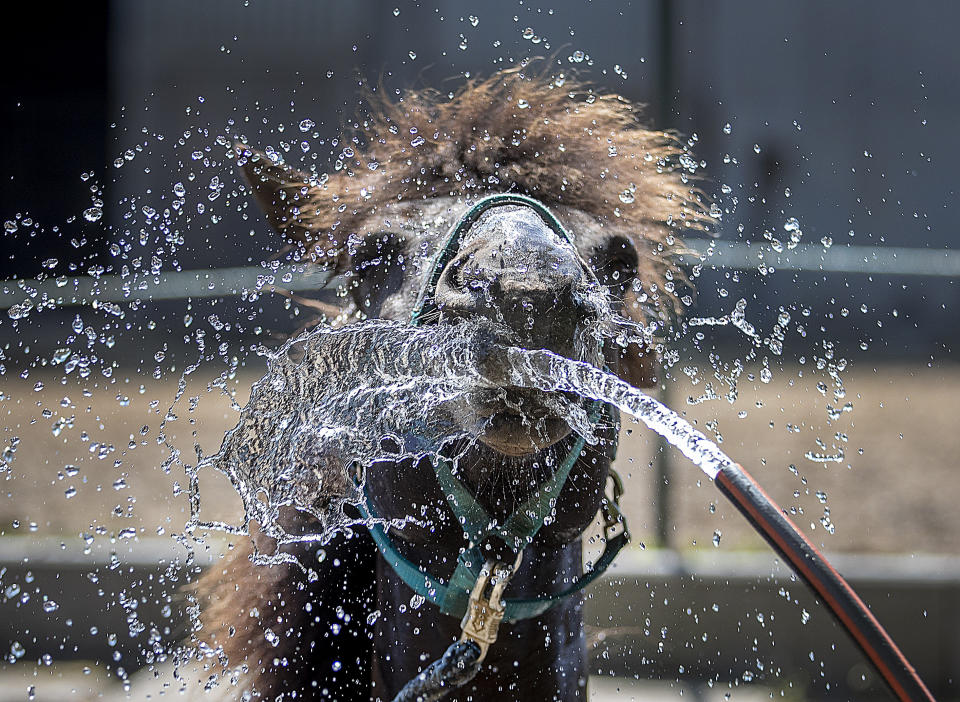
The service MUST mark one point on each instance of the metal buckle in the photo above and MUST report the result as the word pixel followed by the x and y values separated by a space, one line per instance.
pixel 614 523
pixel 485 612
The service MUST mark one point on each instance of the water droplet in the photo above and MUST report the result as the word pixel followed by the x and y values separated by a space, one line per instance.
pixel 92 214
pixel 627 196
pixel 727 128
pixel 716 538
pixel 50 606
pixel 306 125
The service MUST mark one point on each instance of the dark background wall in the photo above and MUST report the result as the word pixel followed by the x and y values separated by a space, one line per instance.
pixel 54 111
pixel 849 105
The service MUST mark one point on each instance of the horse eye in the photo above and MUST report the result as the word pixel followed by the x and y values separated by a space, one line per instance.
pixel 615 263
pixel 377 267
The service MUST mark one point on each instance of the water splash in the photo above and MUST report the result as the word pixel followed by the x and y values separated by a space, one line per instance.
pixel 335 401
pixel 548 371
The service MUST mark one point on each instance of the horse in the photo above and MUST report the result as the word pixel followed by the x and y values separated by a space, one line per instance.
pixel 522 199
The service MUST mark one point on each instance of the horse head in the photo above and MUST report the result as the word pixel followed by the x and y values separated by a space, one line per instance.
pixel 549 212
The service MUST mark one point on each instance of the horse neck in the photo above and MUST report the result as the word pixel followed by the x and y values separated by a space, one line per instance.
pixel 542 658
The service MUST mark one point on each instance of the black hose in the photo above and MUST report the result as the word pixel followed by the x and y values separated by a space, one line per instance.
pixel 807 562
pixel 453 670
pixel 461 662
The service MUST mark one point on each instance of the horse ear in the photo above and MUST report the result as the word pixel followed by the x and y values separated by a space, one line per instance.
pixel 280 191
pixel 635 364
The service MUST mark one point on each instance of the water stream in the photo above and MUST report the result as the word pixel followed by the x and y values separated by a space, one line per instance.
pixel 333 400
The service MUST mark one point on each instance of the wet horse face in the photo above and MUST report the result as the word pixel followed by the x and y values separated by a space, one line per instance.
pixel 543 283
pixel 543 286
pixel 512 268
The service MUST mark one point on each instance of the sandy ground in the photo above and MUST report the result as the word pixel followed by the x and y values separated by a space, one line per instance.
pixel 895 490
pixel 77 683
pixel 898 495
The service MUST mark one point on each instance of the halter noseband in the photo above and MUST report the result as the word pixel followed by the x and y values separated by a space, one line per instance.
pixel 425 300
pixel 518 530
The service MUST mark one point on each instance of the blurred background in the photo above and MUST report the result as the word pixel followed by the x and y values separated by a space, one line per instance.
pixel 827 135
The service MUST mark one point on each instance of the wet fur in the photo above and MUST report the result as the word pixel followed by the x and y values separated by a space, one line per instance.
pixel 324 639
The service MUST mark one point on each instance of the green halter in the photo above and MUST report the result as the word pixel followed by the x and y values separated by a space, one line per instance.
pixel 519 529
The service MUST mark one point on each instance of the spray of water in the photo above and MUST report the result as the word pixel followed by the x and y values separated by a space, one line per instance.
pixel 335 401
pixel 548 371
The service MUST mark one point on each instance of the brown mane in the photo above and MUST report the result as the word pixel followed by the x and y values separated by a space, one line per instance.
pixel 557 140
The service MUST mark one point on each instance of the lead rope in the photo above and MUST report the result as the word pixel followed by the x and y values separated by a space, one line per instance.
pixel 478 631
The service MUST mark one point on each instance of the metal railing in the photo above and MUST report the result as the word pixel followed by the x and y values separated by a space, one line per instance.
pixel 716 587
pixel 868 260
pixel 222 282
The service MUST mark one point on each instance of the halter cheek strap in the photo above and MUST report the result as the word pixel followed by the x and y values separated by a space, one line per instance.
pixel 518 530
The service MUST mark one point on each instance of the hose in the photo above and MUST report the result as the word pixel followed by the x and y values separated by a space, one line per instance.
pixel 808 563
pixel 461 662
